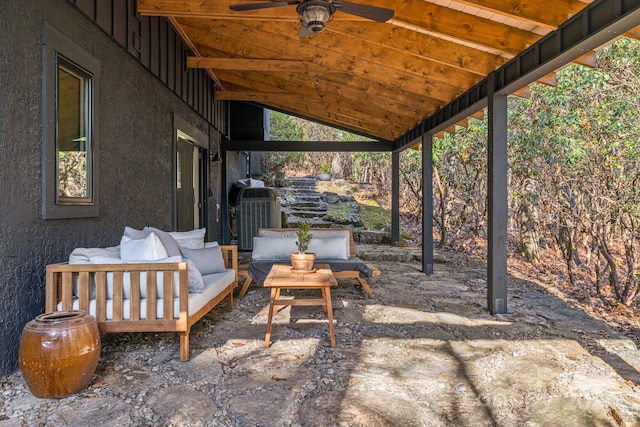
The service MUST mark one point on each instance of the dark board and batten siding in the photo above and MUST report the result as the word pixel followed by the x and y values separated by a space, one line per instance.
pixel 155 44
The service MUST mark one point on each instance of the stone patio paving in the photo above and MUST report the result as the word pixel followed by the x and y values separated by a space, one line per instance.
pixel 423 352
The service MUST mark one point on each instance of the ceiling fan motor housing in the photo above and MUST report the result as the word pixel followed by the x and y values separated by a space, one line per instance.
pixel 314 14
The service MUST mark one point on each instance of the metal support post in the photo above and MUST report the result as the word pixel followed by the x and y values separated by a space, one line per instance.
pixel 395 198
pixel 497 200
pixel 427 203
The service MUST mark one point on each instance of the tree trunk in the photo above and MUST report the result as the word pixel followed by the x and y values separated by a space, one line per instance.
pixel 443 207
pixel 336 165
pixel 614 280
pixel 529 225
pixel 631 284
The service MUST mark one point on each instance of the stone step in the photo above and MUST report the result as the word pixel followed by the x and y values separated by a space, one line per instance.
pixel 302 182
pixel 300 191
pixel 315 223
pixel 302 202
pixel 320 210
pixel 308 214
pixel 308 203
pixel 306 197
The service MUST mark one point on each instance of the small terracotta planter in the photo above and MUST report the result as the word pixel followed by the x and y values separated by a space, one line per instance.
pixel 302 261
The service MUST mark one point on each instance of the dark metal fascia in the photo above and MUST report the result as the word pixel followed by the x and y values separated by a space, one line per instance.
pixel 310 146
pixel 595 25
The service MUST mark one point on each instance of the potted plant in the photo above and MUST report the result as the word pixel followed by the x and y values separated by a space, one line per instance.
pixel 325 172
pixel 302 261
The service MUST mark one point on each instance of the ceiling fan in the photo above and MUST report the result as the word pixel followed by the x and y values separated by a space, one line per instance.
pixel 314 14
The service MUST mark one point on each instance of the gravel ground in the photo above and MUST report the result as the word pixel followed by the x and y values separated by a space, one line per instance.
pixel 423 352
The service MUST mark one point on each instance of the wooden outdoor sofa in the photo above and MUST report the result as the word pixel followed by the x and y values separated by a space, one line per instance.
pixel 129 297
pixel 344 261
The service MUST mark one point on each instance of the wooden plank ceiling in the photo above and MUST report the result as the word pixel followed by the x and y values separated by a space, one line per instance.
pixel 376 79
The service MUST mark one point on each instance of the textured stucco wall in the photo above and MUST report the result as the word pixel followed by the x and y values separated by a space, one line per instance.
pixel 136 157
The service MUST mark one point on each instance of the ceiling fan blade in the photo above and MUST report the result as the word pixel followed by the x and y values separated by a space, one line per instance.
pixel 256 6
pixel 374 13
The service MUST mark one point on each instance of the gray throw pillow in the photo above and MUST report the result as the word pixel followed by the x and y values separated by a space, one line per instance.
pixel 207 260
pixel 196 284
pixel 273 248
pixel 193 239
pixel 330 248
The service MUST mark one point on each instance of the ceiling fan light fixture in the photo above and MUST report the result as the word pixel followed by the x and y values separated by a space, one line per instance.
pixel 315 16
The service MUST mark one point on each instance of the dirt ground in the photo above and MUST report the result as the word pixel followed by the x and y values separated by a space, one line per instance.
pixel 423 352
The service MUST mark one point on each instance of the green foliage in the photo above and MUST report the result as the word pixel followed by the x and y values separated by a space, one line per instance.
pixel 284 127
pixel 578 141
pixel 325 167
pixel 359 167
pixel 304 236
pixel 370 168
pixel 279 160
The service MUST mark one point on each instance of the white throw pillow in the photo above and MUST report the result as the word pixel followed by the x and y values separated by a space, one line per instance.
pixel 169 243
pixel 147 249
pixel 134 233
pixel 82 255
pixel 193 239
pixel 273 248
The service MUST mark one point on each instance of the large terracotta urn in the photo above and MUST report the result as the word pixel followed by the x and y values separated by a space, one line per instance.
pixel 59 353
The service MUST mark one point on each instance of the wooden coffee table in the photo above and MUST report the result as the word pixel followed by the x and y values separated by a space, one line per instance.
pixel 281 277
